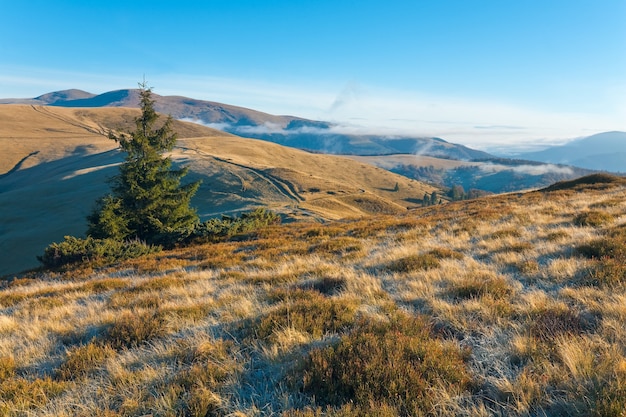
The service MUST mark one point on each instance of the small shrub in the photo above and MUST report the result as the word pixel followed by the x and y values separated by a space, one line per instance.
pixel 131 329
pixel 414 263
pixel 75 250
pixel 7 367
pixel 445 253
pixel 549 323
pixel 82 360
pixel 323 231
pixel 610 400
pixel 557 235
pixel 518 247
pixel 19 395
pixel 315 315
pixel 338 246
pixel 605 273
pixel 603 248
pixel 328 285
pixel 215 230
pixel 529 266
pixel 504 233
pixel 395 365
pixel 593 218
pixel 481 284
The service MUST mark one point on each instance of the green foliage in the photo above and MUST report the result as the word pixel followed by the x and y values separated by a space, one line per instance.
pixel 456 192
pixel 147 201
pixel 214 230
pixel 99 251
pixel 395 364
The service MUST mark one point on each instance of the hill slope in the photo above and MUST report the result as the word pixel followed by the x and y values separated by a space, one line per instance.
pixel 56 161
pixel 510 305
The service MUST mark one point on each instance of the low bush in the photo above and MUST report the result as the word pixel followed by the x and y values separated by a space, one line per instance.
pixel 547 324
pixel 423 261
pixel 338 246
pixel 20 396
pixel 75 250
pixel 480 284
pixel 610 400
pixel 214 230
pixel 313 314
pixel 130 329
pixel 412 263
pixel 82 360
pixel 607 247
pixel 593 218
pixel 605 273
pixel 394 365
pixel 504 233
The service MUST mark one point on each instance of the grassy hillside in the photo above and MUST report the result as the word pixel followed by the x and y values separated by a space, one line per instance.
pixel 56 161
pixel 508 305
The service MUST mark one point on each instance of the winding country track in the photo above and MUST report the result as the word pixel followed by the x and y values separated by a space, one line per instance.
pixel 46 112
pixel 284 188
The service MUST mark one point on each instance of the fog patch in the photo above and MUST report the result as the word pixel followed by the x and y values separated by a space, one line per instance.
pixel 528 169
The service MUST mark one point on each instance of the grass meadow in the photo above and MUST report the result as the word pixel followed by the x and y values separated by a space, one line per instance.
pixel 511 305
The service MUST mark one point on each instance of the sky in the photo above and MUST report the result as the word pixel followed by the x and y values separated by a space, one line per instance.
pixel 490 74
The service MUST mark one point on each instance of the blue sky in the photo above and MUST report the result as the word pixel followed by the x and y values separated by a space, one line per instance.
pixel 486 73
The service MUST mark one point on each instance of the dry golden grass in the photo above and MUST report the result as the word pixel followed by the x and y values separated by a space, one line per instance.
pixel 470 308
pixel 55 162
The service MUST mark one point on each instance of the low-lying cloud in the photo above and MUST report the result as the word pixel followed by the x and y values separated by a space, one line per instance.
pixel 269 128
pixel 528 169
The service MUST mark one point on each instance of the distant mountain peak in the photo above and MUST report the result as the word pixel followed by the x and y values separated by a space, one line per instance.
pixel 64 95
pixel 604 151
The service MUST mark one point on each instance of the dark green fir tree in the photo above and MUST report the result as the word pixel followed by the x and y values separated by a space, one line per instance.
pixel 147 201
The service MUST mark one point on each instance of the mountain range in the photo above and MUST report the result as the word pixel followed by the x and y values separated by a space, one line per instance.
pixel 429 159
pixel 604 152
pixel 296 132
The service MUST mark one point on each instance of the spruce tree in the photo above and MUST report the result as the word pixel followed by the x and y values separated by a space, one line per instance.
pixel 147 201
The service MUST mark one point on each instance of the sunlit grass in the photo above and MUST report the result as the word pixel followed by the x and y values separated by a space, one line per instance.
pixel 508 305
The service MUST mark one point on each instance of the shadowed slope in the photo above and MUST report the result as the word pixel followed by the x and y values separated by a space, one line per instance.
pixel 56 162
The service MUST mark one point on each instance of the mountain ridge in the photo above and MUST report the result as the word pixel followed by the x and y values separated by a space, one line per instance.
pixel 604 151
pixel 292 131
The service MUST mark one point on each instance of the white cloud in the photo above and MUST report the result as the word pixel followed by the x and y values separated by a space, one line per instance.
pixel 528 169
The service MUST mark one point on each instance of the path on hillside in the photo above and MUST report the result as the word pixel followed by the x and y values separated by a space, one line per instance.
pixel 73 122
pixel 283 187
